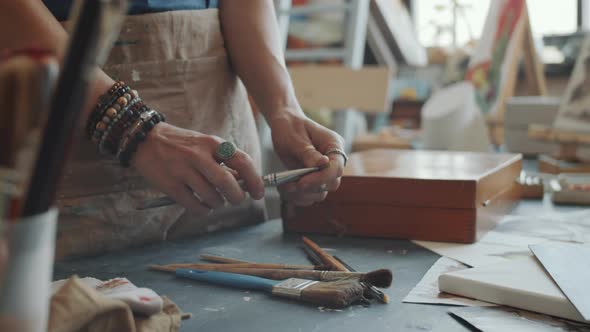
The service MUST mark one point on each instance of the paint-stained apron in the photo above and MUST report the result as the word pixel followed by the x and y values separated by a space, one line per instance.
pixel 179 65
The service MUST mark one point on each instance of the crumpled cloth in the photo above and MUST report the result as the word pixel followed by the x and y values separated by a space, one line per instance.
pixel 76 307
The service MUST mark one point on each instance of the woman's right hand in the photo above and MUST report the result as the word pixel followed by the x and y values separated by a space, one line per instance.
pixel 182 164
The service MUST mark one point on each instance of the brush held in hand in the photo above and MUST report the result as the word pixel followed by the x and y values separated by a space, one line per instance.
pixel 331 294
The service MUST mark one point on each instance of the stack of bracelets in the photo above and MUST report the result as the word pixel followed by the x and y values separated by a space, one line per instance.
pixel 120 122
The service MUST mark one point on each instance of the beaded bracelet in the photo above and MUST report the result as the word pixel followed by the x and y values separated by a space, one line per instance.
pixel 132 113
pixel 111 112
pixel 118 124
pixel 146 122
pixel 120 121
pixel 105 102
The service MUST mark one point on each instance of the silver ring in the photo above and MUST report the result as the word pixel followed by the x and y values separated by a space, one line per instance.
pixel 225 151
pixel 338 152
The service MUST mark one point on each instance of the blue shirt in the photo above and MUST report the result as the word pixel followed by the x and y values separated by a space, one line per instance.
pixel 61 8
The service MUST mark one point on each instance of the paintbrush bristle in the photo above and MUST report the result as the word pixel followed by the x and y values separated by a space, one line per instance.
pixel 381 278
pixel 333 294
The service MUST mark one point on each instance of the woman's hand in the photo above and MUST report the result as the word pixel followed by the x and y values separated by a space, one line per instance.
pixel 182 164
pixel 300 142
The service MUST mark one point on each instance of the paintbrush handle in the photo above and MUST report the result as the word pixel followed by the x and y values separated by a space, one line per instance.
pixel 213 267
pixel 228 279
pixel 324 256
pixel 221 259
pixel 225 260
pixel 282 274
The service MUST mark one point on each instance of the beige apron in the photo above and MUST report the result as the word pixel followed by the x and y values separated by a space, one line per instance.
pixel 178 63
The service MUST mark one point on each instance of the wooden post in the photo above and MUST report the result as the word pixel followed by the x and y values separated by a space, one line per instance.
pixel 534 75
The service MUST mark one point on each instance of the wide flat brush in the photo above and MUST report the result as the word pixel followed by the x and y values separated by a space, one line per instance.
pixel 330 294
pixel 380 278
pixel 372 291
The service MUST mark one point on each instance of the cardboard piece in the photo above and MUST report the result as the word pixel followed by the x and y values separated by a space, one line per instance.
pixel 426 291
pixel 341 88
pixel 421 195
pixel 569 266
pixel 520 283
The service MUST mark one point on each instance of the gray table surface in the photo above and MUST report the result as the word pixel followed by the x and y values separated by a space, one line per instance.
pixel 221 309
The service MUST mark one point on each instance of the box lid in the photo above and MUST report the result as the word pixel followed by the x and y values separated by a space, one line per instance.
pixel 437 179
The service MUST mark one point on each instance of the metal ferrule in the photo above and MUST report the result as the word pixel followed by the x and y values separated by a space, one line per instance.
pixel 292 287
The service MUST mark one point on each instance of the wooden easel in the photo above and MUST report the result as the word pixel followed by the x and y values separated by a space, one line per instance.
pixel 535 78
pixel 570 130
pixel 565 159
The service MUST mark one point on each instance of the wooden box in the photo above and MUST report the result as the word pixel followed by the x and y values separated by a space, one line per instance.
pixel 419 195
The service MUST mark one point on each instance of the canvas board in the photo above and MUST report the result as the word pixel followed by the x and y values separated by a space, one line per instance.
pixel 427 292
pixel 519 283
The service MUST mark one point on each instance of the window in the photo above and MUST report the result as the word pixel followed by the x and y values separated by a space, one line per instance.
pixel 436 27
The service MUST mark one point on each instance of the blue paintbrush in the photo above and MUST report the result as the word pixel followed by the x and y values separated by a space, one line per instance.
pixel 331 294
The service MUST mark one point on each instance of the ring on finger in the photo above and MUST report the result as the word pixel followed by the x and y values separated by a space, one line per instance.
pixel 338 152
pixel 225 151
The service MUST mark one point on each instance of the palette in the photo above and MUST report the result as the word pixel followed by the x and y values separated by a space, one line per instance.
pixel 571 189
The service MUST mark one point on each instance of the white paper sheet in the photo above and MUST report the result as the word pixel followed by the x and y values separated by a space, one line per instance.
pixel 569 227
pixel 426 291
pixel 502 319
pixel 494 247
pixel 511 238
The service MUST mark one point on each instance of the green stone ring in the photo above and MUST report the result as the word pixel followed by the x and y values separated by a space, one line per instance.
pixel 225 151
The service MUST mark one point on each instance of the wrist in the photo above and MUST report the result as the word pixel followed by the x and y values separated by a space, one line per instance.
pixel 120 122
pixel 286 114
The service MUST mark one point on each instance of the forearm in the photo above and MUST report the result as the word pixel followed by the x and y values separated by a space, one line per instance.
pixel 253 42
pixel 28 23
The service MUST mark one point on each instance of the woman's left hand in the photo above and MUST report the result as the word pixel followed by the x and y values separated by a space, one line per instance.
pixel 300 142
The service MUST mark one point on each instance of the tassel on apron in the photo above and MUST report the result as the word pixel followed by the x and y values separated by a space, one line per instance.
pixel 178 63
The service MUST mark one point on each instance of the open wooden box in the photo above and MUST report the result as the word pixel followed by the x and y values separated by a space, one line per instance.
pixel 419 195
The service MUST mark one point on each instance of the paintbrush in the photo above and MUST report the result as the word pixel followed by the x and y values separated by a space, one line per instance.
pixel 269 180
pixel 331 294
pixel 324 256
pixel 226 260
pixel 371 290
pixel 312 256
pixel 338 266
pixel 97 24
pixel 200 266
pixel 380 278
